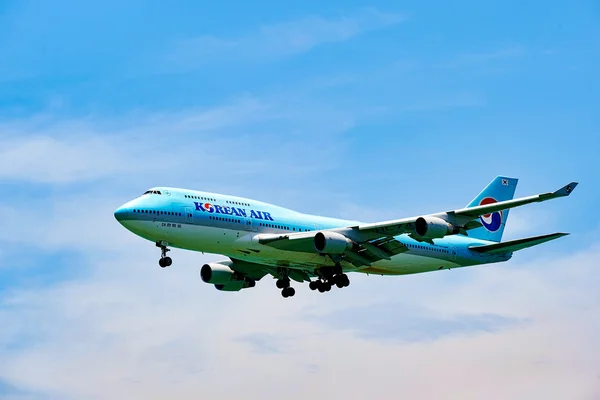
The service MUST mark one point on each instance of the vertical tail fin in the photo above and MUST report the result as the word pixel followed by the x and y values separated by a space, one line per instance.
pixel 500 189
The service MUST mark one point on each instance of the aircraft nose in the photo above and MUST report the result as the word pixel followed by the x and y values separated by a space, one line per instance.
pixel 121 214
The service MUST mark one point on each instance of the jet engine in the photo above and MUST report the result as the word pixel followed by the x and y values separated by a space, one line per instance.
pixel 332 243
pixel 434 227
pixel 217 274
pixel 224 278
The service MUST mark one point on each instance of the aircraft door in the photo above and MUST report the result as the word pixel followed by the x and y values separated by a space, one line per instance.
pixel 189 215
pixel 452 250
pixel 250 225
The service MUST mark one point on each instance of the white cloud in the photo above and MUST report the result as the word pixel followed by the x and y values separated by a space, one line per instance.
pixel 47 150
pixel 249 136
pixel 527 221
pixel 304 34
pixel 286 38
pixel 47 159
pixel 132 328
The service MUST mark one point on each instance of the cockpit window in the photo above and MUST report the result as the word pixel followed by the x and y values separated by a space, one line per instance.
pixel 152 192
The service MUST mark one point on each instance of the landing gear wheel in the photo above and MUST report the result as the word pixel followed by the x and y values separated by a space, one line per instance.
pixel 288 292
pixel 324 286
pixel 282 283
pixel 346 280
pixel 341 280
pixel 321 286
pixel 313 285
pixel 164 260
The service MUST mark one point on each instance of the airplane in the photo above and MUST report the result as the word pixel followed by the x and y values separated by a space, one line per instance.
pixel 262 239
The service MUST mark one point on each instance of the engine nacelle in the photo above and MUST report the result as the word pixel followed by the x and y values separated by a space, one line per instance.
pixel 332 243
pixel 217 274
pixel 236 286
pixel 434 227
pixel 224 278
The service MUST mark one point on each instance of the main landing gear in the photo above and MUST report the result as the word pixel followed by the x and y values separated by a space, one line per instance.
pixel 328 277
pixel 284 285
pixel 164 260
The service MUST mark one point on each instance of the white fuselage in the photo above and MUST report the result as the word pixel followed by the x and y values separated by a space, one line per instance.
pixel 221 224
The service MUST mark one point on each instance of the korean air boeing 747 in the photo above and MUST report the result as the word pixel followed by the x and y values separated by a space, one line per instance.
pixel 262 239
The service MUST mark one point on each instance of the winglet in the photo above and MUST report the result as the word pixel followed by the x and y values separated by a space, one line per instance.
pixel 565 190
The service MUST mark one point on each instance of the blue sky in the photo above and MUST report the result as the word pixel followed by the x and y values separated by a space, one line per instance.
pixel 359 110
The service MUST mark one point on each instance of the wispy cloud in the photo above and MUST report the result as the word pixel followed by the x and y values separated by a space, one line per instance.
pixel 526 222
pixel 406 323
pixel 444 102
pixel 508 52
pixel 48 159
pixel 282 39
pixel 263 343
pixel 483 57
pixel 45 149
pixel 147 332
pixel 304 34
pixel 49 149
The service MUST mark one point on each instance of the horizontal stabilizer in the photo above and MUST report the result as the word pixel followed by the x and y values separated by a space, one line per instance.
pixel 514 245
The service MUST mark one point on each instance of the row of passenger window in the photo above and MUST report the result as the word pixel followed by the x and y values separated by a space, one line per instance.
pixel 436 249
pixel 239 203
pixel 188 196
pixel 157 212
pixel 237 221
pixel 286 228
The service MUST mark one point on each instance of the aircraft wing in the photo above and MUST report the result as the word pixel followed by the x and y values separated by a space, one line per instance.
pixel 361 254
pixel 464 218
pixel 504 205
pixel 375 241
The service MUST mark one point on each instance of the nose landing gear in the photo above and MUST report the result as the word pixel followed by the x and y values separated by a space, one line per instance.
pixel 164 260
